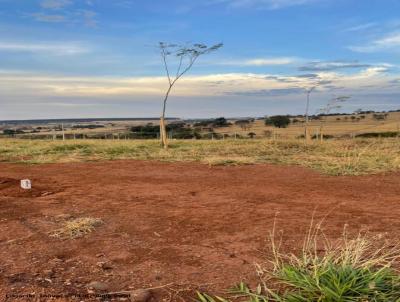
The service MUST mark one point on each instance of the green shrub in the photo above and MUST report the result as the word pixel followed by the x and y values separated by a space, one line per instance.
pixel 379 134
pixel 279 121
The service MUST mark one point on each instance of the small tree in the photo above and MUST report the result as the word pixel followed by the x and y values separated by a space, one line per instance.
pixel 379 117
pixel 243 124
pixel 334 103
pixel 186 56
pixel 306 119
pixel 220 122
pixel 251 135
pixel 279 121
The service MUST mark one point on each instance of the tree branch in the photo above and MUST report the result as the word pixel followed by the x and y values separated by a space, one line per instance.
pixel 164 57
pixel 179 67
pixel 192 60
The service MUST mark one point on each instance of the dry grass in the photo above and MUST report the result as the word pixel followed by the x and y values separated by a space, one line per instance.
pixel 318 252
pixel 351 269
pixel 331 126
pixel 360 268
pixel 77 227
pixel 334 157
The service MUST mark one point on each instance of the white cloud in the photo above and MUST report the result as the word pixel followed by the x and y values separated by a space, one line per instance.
pixel 361 27
pixel 55 4
pixel 48 17
pixel 260 61
pixel 390 42
pixel 191 86
pixel 42 94
pixel 47 48
pixel 55 12
pixel 269 4
pixel 332 65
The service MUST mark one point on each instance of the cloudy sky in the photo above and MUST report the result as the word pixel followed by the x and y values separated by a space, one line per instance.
pixel 99 58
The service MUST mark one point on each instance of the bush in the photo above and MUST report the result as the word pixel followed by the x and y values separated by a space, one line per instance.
pixel 380 117
pixel 244 124
pixel 251 135
pixel 347 270
pixel 178 130
pixel 279 121
pixel 12 132
pixel 324 136
pixel 379 134
pixel 147 131
pixel 218 122
pixel 90 126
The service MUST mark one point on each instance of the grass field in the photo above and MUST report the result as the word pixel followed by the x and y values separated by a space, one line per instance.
pixel 336 125
pixel 334 157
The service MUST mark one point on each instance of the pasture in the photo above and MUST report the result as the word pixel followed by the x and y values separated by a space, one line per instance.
pixel 335 157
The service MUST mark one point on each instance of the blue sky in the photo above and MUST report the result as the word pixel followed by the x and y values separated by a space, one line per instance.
pixel 98 58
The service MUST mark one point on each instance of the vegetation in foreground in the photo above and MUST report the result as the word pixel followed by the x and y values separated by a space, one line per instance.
pixel 77 227
pixel 334 157
pixel 347 270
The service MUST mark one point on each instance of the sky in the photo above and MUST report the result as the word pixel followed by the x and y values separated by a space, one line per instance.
pixel 100 58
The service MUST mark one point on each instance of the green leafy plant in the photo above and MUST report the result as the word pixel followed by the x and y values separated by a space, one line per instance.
pixel 202 297
pixel 359 269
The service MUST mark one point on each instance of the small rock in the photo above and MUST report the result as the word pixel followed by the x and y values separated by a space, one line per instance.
pixel 46 193
pixel 64 217
pixel 100 255
pixel 48 272
pixel 98 285
pixel 104 265
pixel 141 295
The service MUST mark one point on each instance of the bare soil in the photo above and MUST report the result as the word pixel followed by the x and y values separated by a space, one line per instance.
pixel 185 225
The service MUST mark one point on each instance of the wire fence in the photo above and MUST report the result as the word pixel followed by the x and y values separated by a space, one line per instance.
pixel 295 131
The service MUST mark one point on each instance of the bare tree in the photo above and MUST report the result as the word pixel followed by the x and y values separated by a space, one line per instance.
pixel 333 104
pixel 306 131
pixel 186 56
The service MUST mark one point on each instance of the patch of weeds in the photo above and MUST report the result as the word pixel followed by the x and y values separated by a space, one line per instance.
pixel 76 228
pixel 233 161
pixel 69 147
pixel 334 157
pixel 347 270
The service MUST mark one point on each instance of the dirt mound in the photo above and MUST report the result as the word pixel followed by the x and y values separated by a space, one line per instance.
pixel 10 187
pixel 187 224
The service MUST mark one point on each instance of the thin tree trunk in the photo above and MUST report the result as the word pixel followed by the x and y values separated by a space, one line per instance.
pixel 321 134
pixel 307 133
pixel 163 128
pixel 163 133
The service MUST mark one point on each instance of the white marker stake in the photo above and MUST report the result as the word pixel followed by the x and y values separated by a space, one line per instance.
pixel 26 184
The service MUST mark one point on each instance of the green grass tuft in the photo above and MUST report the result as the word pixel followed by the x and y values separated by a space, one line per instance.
pixel 347 270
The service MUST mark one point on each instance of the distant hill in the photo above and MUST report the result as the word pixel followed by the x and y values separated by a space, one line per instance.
pixel 79 120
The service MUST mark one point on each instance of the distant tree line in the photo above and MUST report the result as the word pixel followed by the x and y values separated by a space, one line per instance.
pixel 176 130
pixel 218 122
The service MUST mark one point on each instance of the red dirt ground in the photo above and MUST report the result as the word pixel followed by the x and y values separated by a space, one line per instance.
pixel 184 224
